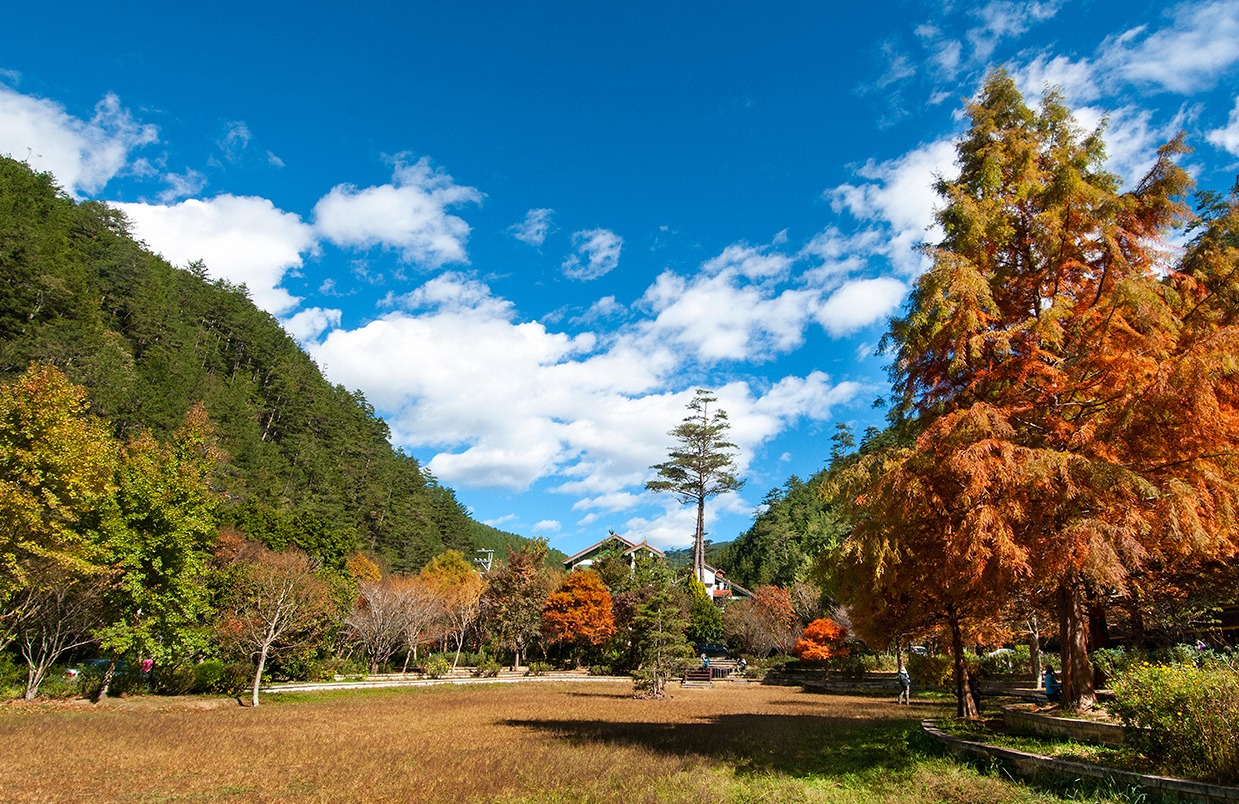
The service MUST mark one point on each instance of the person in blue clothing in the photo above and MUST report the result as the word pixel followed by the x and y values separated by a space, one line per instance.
pixel 905 686
pixel 1053 689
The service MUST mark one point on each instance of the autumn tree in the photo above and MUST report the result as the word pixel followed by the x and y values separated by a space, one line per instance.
pixel 278 602
pixel 379 620
pixel 516 592
pixel 459 588
pixel 1075 385
pixel 578 613
pixel 822 639
pixel 57 469
pixel 700 466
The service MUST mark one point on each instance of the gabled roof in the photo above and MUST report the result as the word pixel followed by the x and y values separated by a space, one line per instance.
pixel 628 547
pixel 645 546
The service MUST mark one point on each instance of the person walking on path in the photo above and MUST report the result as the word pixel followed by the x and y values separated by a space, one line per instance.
pixel 905 686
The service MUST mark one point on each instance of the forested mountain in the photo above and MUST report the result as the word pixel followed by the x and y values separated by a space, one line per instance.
pixel 309 463
pixel 488 538
pixel 797 525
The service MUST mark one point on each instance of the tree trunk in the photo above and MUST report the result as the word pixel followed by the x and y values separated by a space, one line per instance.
pixel 699 547
pixel 1073 634
pixel 262 661
pixel 1034 652
pixel 1135 613
pixel 107 679
pixel 965 704
pixel 899 655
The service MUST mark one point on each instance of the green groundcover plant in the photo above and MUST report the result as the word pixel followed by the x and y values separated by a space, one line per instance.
pixel 1183 716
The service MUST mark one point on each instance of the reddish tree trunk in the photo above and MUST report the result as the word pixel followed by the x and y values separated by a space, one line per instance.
pixel 965 704
pixel 1073 634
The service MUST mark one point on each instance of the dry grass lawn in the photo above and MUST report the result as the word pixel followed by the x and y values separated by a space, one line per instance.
pixel 543 742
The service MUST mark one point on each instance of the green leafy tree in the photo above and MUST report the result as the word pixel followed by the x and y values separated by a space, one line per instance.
pixel 160 534
pixel 705 621
pixel 658 632
pixel 701 466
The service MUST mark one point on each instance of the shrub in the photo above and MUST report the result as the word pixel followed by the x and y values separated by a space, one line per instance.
pixel 12 675
pixel 437 666
pixel 177 681
pixel 538 669
pixel 852 665
pixel 932 671
pixel 488 668
pixel 1185 716
pixel 601 670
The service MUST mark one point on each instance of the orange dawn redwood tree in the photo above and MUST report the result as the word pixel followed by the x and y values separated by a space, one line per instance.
pixel 579 611
pixel 1073 384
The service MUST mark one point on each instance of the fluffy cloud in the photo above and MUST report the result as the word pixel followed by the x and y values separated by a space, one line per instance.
pixel 307 325
pixel 82 155
pixel 410 215
pixel 590 414
pixel 1188 55
pixel 1227 137
pixel 900 199
pixel 241 239
pixel 534 229
pixel 596 254
pixel 860 303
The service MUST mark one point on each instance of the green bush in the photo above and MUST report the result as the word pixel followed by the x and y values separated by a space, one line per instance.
pixel 488 668
pixel 12 675
pixel 437 666
pixel 177 681
pixel 328 669
pixel 931 671
pixel 601 670
pixel 1184 716
pixel 538 669
pixel 852 665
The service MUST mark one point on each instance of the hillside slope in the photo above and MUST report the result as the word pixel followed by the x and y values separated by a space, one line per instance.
pixel 149 341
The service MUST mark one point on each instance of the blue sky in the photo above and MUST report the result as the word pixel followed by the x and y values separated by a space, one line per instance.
pixel 528 231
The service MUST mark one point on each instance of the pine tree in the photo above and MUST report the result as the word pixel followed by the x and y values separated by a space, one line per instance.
pixel 701 466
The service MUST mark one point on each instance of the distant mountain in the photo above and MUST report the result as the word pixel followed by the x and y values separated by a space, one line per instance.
pixel 310 463
pixel 488 538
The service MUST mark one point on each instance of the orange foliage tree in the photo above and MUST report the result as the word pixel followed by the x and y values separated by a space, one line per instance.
pixel 822 640
pixel 579 611
pixel 1075 386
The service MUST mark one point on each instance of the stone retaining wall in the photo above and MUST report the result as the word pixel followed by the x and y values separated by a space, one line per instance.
pixel 1034 764
pixel 1072 728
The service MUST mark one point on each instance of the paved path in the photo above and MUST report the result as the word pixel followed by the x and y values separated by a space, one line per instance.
pixel 378 682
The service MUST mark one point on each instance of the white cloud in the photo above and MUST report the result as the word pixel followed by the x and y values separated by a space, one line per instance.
pixel 1005 19
pixel 899 197
pixel 235 140
pixel 534 229
pixel 409 215
pixel 596 254
pixel 83 156
pixel 1199 45
pixel 860 303
pixel 241 239
pixel 546 525
pixel 182 185
pixel 508 403
pixel 307 325
pixel 1227 137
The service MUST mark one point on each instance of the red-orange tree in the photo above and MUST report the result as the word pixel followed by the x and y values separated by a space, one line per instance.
pixel 822 639
pixel 578 613
pixel 1077 384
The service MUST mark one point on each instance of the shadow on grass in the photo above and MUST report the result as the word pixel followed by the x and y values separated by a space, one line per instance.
pixel 796 745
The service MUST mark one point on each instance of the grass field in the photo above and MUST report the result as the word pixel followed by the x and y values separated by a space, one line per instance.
pixel 553 742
